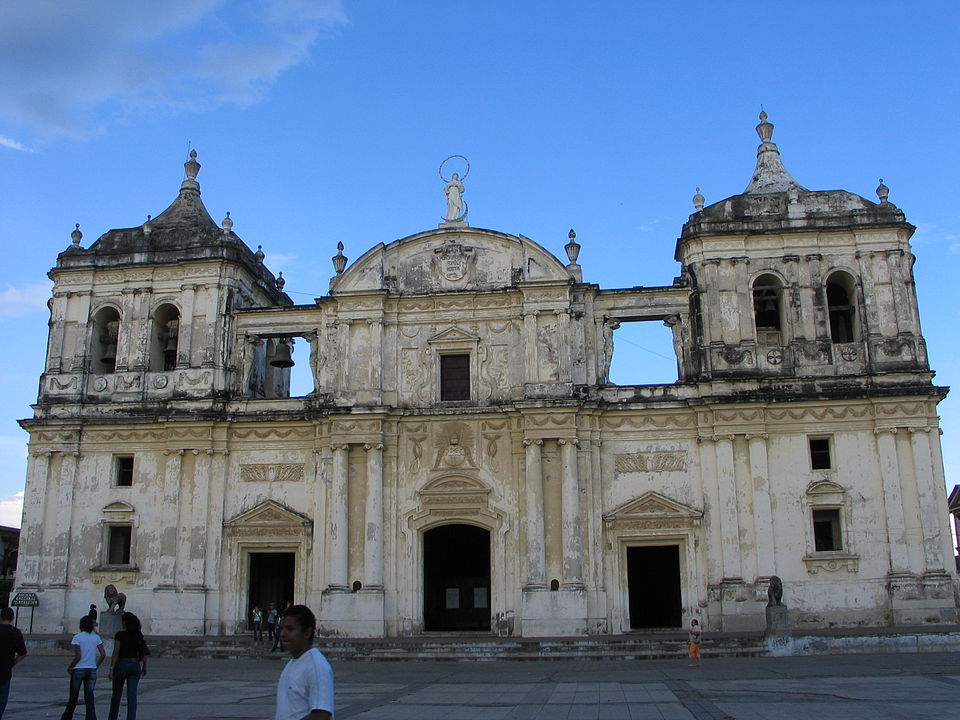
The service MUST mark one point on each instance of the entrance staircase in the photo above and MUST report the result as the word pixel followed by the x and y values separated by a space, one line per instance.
pixel 458 647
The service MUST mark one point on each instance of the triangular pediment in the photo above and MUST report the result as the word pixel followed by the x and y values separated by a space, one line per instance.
pixel 271 514
pixel 453 334
pixel 118 506
pixel 653 505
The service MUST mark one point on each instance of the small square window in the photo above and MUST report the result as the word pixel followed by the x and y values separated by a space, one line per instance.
pixel 826 530
pixel 454 377
pixel 118 544
pixel 124 471
pixel 820 454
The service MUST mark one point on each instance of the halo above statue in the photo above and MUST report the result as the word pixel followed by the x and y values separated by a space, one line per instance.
pixel 452 157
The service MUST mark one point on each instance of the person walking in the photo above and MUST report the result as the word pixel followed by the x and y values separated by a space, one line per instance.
pixel 694 636
pixel 257 624
pixel 272 629
pixel 127 665
pixel 305 689
pixel 12 651
pixel 277 641
pixel 88 653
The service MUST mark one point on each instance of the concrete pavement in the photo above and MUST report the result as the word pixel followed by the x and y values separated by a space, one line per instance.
pixel 849 687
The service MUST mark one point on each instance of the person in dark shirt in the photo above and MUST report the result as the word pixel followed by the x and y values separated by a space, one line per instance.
pixel 12 651
pixel 128 665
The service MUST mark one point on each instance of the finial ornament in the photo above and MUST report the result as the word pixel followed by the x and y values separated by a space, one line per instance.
pixel 280 282
pixel 339 260
pixel 147 227
pixel 883 192
pixel 572 247
pixel 259 254
pixel 76 236
pixel 765 129
pixel 227 223
pixel 191 166
pixel 698 200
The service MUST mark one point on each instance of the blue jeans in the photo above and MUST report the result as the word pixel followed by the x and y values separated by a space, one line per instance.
pixel 88 678
pixel 4 694
pixel 127 670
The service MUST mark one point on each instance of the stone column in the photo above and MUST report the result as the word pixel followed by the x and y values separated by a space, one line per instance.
pixel 564 373
pixel 198 518
pixel 892 499
pixel 763 514
pixel 321 480
pixel 570 500
pixel 727 492
pixel 376 354
pixel 31 539
pixel 126 337
pixel 185 337
pixel 60 557
pixel 532 374
pixel 343 326
pixel 932 507
pixel 141 333
pixel 170 503
pixel 373 517
pixel 337 567
pixel 57 329
pixel 533 521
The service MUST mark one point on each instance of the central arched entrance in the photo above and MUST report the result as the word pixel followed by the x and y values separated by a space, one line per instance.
pixel 456 578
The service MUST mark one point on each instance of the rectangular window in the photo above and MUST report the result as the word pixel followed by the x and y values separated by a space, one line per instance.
pixel 454 377
pixel 124 471
pixel 826 530
pixel 820 454
pixel 118 544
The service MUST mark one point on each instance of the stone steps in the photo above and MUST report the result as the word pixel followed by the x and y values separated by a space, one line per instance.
pixel 449 648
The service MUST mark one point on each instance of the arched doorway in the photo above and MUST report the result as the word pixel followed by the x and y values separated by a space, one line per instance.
pixel 456 578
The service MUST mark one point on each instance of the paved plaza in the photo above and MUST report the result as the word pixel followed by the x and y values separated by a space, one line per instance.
pixel 846 687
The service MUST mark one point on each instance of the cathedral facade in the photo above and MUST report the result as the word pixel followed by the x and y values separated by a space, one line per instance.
pixel 463 462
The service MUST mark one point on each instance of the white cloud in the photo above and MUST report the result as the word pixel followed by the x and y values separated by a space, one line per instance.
pixel 67 66
pixel 11 510
pixel 13 144
pixel 21 301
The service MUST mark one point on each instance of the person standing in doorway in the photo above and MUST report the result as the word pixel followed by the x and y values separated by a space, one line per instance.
pixel 128 665
pixel 694 635
pixel 305 690
pixel 88 653
pixel 12 651
pixel 272 629
pixel 257 618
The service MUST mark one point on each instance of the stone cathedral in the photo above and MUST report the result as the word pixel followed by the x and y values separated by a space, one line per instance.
pixel 462 462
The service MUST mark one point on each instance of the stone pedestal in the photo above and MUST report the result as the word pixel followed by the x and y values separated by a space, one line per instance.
pixel 108 625
pixel 547 613
pixel 778 622
pixel 345 613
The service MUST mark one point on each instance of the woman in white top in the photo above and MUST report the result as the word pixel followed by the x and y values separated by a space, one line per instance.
pixel 88 653
pixel 305 690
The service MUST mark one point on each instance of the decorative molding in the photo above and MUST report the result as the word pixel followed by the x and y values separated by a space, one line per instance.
pixel 831 562
pixel 655 461
pixel 272 472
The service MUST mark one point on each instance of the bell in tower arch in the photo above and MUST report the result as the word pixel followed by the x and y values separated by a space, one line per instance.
pixel 282 356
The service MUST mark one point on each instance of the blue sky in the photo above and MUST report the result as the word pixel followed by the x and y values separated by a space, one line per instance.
pixel 319 121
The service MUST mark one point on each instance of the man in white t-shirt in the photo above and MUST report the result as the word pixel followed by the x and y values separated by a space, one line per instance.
pixel 305 690
pixel 88 653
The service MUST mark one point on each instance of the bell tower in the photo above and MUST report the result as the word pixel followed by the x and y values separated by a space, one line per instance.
pixel 792 282
pixel 145 313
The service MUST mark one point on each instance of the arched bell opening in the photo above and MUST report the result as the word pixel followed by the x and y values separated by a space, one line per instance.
pixel 841 307
pixel 767 309
pixel 106 332
pixel 164 338
pixel 456 578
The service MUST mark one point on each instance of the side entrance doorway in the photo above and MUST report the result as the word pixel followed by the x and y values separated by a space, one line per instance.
pixel 653 586
pixel 456 578
pixel 271 581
